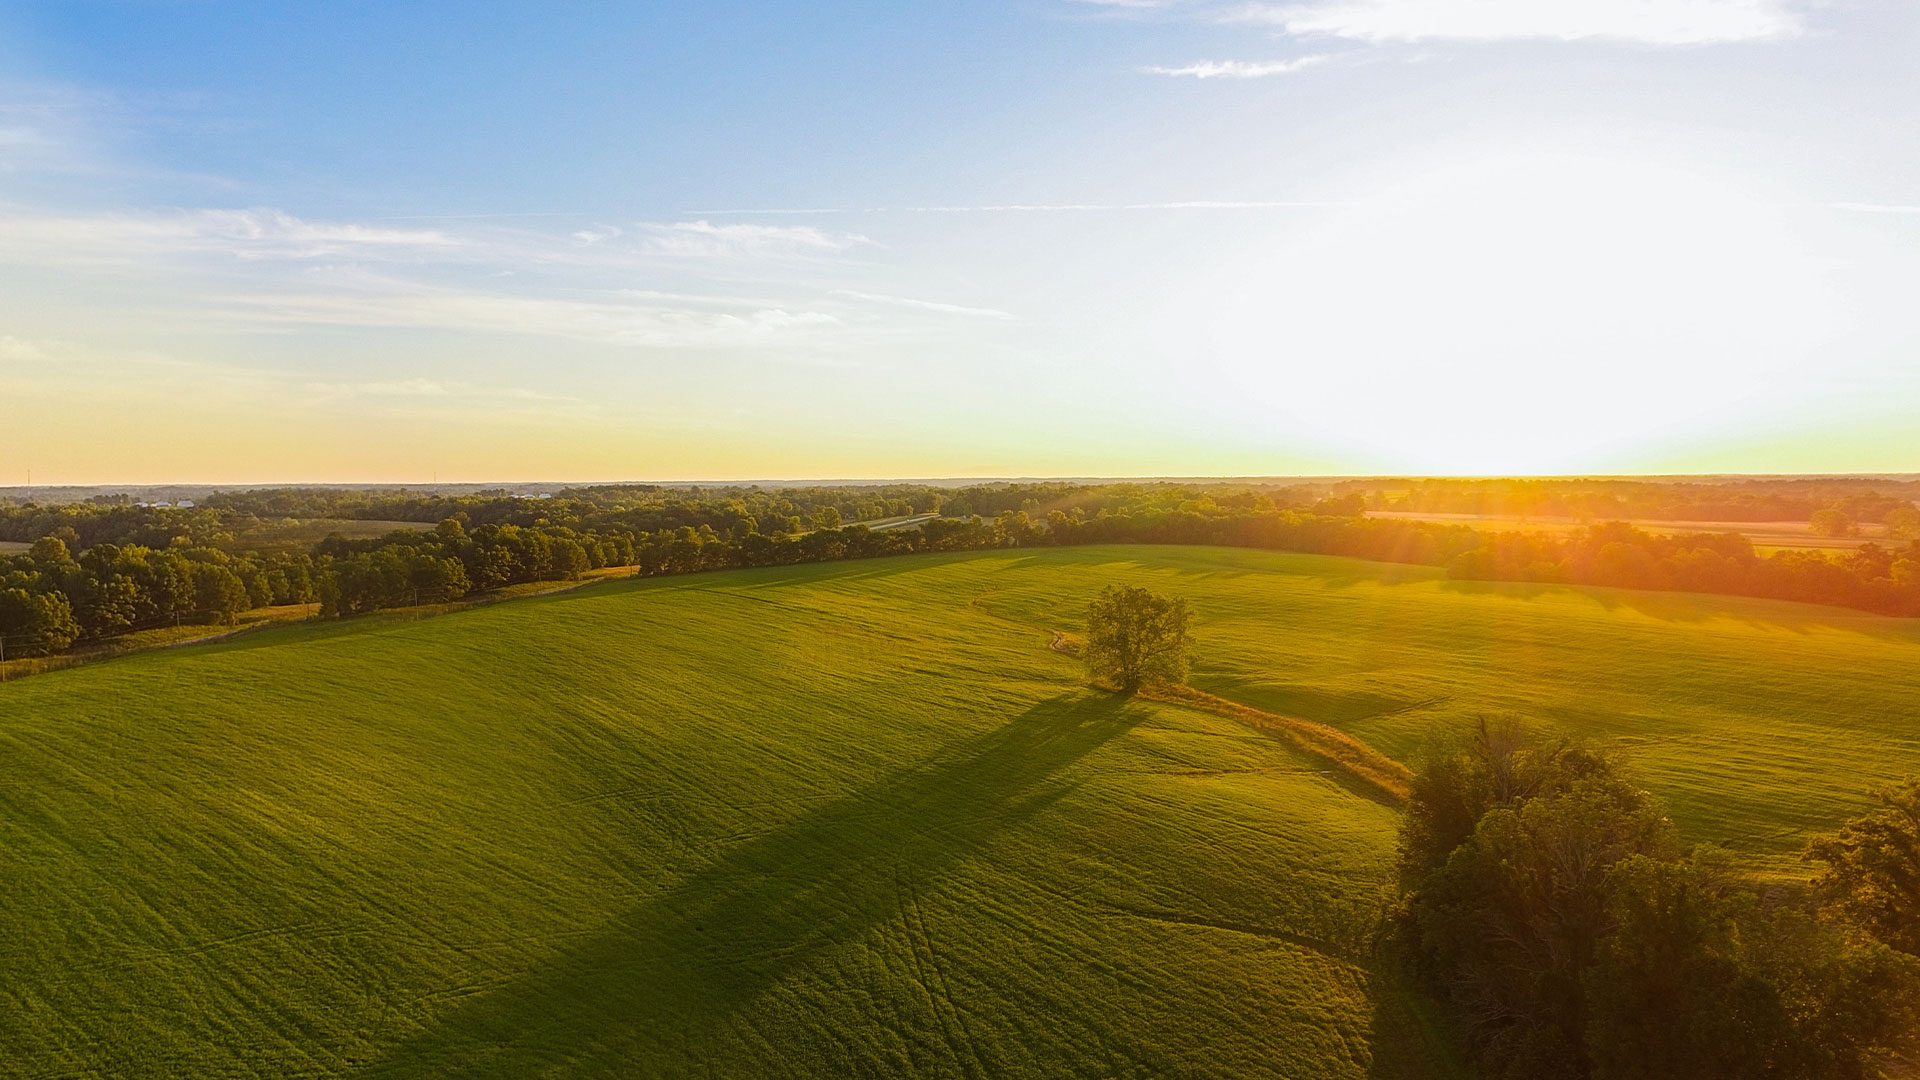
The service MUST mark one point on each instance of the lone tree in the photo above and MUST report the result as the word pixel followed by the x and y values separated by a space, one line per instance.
pixel 1137 638
pixel 1833 521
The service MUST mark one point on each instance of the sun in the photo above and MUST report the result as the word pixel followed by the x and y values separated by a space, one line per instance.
pixel 1519 314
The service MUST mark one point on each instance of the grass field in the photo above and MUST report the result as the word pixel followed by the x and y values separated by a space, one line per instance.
pixel 300 534
pixel 845 819
pixel 1755 720
pixel 828 821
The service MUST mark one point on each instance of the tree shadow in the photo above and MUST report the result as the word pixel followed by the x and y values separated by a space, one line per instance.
pixel 639 995
pixel 1409 1033
pixel 1681 607
pixel 1335 709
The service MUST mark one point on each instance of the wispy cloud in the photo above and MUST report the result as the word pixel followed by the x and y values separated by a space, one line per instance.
pixel 1191 204
pixel 926 305
pixel 18 350
pixel 611 320
pixel 1128 9
pixel 54 134
pixel 687 285
pixel 597 233
pixel 704 239
pixel 59 370
pixel 406 389
pixel 1239 69
pixel 1649 22
pixel 243 234
pixel 268 234
pixel 999 208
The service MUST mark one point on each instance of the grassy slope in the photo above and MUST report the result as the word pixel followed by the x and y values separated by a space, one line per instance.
pixel 847 819
pixel 828 821
pixel 1755 720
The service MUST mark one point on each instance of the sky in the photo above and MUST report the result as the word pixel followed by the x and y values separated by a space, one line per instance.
pixel 404 242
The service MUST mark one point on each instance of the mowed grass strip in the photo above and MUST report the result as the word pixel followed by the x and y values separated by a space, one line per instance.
pixel 1386 778
pixel 823 821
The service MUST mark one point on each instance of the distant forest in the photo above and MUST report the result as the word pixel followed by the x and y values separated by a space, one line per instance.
pixel 108 566
pixel 1744 500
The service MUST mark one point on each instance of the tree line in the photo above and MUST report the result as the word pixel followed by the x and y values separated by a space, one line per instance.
pixel 1746 500
pixel 51 599
pixel 118 567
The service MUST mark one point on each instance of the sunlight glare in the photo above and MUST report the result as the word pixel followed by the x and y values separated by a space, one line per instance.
pixel 1514 314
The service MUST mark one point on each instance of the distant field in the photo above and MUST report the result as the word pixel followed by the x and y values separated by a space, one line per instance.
pixel 13 547
pixel 1764 534
pixel 840 819
pixel 298 534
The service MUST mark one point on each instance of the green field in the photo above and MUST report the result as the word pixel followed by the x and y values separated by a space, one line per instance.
pixel 290 535
pixel 843 819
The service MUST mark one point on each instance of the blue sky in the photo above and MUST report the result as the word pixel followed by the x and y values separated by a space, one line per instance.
pixel 255 242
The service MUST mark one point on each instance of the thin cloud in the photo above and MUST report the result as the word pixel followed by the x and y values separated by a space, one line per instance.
pixel 996 208
pixel 242 234
pixel 1194 204
pixel 1648 22
pixel 1238 69
pixel 1127 9
pixel 704 239
pixel 404 389
pixel 926 305
pixel 607 321
pixel 20 351
pixel 802 210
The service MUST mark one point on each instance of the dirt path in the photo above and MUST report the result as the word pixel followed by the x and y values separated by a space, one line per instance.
pixel 1375 770
pixel 1339 749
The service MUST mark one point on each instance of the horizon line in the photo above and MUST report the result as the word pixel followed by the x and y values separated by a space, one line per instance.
pixel 958 480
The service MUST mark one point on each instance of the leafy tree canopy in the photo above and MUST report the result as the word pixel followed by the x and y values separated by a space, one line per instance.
pixel 1136 637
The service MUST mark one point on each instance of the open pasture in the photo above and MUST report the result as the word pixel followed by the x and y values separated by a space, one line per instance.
pixel 841 819
pixel 1757 721
pixel 835 820
pixel 299 534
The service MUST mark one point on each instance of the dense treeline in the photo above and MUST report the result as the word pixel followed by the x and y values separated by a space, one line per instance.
pixel 83 525
pixel 132 559
pixel 1871 577
pixel 51 599
pixel 1552 909
pixel 1783 499
pixel 728 510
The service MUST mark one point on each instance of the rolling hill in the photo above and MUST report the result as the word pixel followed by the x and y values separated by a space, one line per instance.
pixel 840 819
